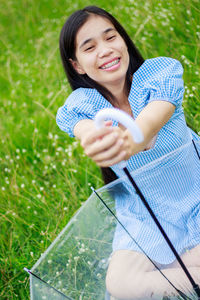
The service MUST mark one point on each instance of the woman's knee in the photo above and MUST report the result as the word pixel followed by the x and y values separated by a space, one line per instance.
pixel 116 284
pixel 191 258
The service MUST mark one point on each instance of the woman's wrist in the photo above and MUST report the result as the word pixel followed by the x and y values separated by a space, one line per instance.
pixel 131 147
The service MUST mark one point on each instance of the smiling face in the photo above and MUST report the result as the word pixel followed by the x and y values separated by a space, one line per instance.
pixel 101 53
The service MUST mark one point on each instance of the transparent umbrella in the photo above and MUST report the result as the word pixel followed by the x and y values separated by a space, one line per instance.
pixel 76 263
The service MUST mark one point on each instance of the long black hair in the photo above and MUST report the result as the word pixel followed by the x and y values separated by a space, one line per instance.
pixel 68 52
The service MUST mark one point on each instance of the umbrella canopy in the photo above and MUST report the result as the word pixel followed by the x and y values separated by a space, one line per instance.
pixel 75 265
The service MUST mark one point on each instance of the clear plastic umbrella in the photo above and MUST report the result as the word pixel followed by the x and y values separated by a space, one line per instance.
pixel 76 264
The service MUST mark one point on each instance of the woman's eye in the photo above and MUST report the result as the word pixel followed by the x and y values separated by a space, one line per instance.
pixel 111 37
pixel 89 48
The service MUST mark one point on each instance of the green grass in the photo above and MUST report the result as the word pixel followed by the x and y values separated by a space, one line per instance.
pixel 44 174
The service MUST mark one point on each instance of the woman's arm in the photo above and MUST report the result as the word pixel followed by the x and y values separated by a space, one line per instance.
pixel 110 145
pixel 151 119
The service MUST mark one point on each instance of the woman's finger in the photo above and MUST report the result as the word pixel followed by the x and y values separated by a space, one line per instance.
pixel 95 134
pixel 110 152
pixel 108 123
pixel 110 162
pixel 101 145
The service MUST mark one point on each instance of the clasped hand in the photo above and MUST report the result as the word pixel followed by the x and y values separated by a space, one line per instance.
pixel 109 145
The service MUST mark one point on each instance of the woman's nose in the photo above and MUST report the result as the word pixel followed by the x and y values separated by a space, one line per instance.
pixel 104 51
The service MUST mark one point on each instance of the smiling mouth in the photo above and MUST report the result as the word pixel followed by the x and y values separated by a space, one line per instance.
pixel 110 64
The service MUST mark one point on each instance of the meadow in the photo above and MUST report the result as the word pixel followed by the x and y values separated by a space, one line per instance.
pixel 44 175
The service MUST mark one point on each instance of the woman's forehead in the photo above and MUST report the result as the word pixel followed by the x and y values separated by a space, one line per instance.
pixel 94 27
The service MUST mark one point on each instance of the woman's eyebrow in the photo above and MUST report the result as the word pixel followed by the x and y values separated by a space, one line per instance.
pixel 108 30
pixel 90 39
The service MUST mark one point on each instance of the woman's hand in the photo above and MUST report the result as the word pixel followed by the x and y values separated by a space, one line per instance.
pixel 105 145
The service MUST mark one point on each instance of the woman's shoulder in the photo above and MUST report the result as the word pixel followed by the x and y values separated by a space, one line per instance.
pixel 161 62
pixel 157 68
pixel 88 96
pixel 77 96
pixel 160 65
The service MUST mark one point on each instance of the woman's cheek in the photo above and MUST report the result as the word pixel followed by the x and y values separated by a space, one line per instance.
pixel 90 64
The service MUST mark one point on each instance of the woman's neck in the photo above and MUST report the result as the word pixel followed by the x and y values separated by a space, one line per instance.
pixel 122 101
pixel 120 93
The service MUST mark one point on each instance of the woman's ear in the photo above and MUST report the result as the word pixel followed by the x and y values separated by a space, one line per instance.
pixel 77 66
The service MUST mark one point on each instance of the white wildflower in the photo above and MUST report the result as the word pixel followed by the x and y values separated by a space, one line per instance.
pixel 50 135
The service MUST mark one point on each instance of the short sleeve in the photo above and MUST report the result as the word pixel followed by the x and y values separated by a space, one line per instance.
pixel 76 108
pixel 166 81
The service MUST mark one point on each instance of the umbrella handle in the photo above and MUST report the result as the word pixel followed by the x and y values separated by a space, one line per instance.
pixel 123 118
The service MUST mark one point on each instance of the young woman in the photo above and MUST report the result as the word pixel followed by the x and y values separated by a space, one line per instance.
pixel 105 70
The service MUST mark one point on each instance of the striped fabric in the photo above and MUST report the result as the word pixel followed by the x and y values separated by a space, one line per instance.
pixel 171 194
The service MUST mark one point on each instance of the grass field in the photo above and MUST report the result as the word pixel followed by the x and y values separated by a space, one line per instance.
pixel 44 175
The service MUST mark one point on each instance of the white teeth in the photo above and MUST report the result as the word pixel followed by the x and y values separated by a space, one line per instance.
pixel 114 62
